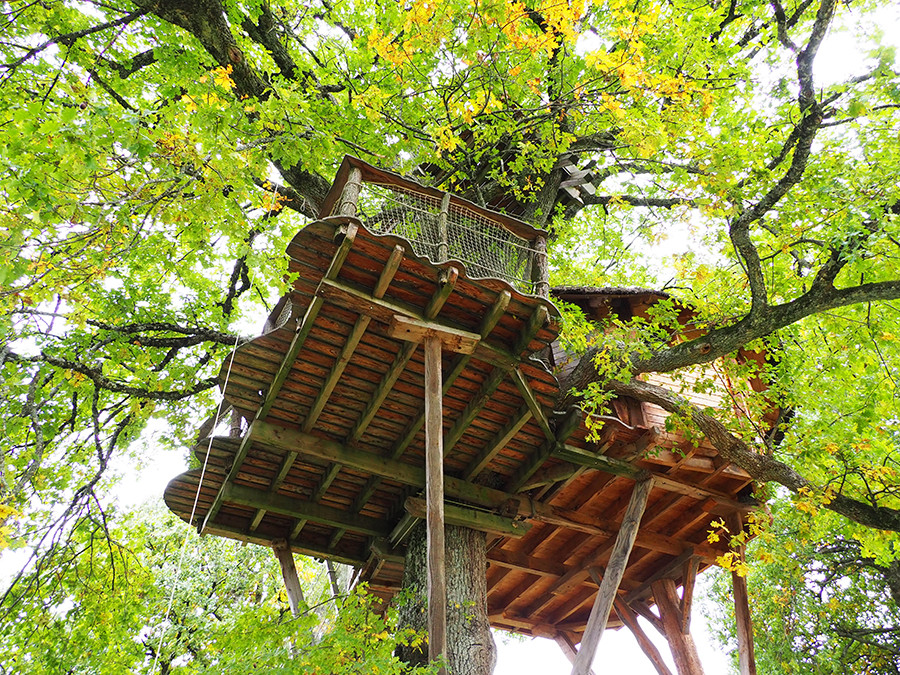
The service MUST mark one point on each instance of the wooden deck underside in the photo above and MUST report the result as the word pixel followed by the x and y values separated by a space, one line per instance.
pixel 333 460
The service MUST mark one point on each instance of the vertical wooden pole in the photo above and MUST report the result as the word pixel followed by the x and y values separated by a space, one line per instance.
pixel 629 618
pixel 618 558
pixel 350 193
pixel 434 497
pixel 684 651
pixel 540 268
pixel 746 656
pixel 443 233
pixel 289 573
pixel 568 647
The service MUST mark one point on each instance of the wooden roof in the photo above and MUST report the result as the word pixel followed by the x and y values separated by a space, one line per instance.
pixel 332 459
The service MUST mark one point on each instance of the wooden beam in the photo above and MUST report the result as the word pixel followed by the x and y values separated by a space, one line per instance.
pixel 303 548
pixel 473 408
pixel 455 340
pixel 471 518
pixel 674 566
pixel 289 574
pixel 577 456
pixel 348 297
pixel 434 497
pixel 345 233
pixel 746 655
pixel 568 648
pixel 497 443
pixel 564 429
pixel 446 284
pixel 689 577
pixel 629 618
pixel 641 607
pixel 615 570
pixel 684 651
pixel 533 404
pixel 279 439
pixel 296 508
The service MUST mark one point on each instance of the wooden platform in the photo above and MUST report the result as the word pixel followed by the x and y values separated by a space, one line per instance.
pixel 331 454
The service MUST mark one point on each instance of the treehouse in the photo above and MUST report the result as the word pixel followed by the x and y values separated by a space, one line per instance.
pixel 409 375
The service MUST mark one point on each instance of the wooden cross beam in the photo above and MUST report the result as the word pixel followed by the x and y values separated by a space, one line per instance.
pixel 345 234
pixel 615 570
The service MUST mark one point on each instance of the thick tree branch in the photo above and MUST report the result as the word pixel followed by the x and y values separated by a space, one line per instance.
pixel 105 383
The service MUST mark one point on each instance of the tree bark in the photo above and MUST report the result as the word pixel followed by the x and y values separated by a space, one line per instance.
pixel 470 645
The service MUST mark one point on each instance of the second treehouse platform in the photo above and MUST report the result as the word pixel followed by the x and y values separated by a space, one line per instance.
pixel 331 457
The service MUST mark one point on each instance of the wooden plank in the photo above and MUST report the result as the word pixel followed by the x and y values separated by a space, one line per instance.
pixel 410 329
pixel 446 284
pixel 684 651
pixel 296 508
pixel 746 655
pixel 471 518
pixel 615 570
pixel 473 408
pixel 666 571
pixel 495 445
pixel 289 574
pixel 346 232
pixel 356 333
pixel 348 297
pixel 628 617
pixel 564 429
pixel 434 496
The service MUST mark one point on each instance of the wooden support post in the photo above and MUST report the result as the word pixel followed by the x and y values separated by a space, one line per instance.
pixel 350 193
pixel 434 497
pixel 568 648
pixel 444 238
pixel 618 559
pixel 746 656
pixel 629 618
pixel 289 573
pixel 540 276
pixel 684 651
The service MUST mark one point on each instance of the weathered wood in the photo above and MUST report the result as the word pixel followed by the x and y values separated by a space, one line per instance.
pixel 533 404
pixel 496 444
pixel 684 651
pixel 746 655
pixel 434 496
pixel 564 429
pixel 671 568
pixel 540 271
pixel 350 193
pixel 347 232
pixel 289 574
pixel 579 457
pixel 446 284
pixel 416 330
pixel 471 518
pixel 568 648
pixel 691 567
pixel 290 506
pixel 641 607
pixel 629 618
pixel 473 408
pixel 444 245
pixel 615 570
pixel 303 548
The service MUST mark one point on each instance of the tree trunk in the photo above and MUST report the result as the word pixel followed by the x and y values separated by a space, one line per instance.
pixel 470 645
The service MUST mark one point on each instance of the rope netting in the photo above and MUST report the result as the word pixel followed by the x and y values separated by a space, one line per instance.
pixel 484 246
